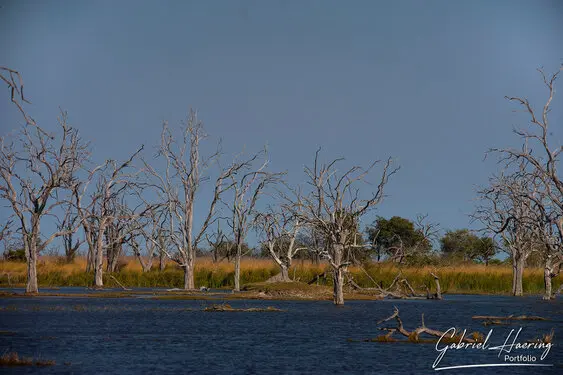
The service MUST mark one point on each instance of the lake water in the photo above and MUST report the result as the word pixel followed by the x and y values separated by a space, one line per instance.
pixel 144 335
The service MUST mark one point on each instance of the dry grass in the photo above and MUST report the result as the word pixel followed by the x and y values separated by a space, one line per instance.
pixel 13 359
pixel 463 278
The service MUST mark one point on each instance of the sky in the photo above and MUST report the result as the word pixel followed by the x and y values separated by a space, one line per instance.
pixel 421 81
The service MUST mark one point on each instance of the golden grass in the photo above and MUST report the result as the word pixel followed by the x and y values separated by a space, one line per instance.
pixel 463 278
pixel 13 359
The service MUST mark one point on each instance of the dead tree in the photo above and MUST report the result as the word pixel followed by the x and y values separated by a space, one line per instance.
pixel 217 242
pixel 415 335
pixel 153 237
pixel 15 83
pixel 247 189
pixel 503 212
pixel 279 231
pixel 541 170
pixel 34 175
pixel 178 186
pixel 71 244
pixel 6 231
pixel 97 209
pixel 333 205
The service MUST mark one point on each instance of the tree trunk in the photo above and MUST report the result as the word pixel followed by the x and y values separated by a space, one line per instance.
pixel 547 282
pixel 31 253
pixel 438 288
pixel 517 275
pixel 189 282
pixel 162 261
pixel 113 255
pixel 285 272
pixel 187 278
pixel 237 267
pixel 30 244
pixel 338 274
pixel 99 264
pixel 548 275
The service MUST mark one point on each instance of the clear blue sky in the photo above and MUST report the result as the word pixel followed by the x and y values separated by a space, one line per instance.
pixel 422 81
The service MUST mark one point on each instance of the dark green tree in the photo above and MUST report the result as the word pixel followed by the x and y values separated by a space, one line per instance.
pixel 484 250
pixel 462 243
pixel 397 238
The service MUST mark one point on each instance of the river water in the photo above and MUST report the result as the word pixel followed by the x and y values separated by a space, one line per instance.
pixel 142 335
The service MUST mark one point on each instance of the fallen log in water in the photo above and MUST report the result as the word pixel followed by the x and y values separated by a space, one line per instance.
pixel 415 335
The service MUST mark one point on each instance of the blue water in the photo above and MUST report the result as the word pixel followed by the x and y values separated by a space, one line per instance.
pixel 144 335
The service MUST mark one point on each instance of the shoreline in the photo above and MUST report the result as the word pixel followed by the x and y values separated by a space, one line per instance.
pixel 271 294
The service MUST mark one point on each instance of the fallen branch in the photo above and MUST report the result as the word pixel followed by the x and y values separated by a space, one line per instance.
pixel 400 288
pixel 118 283
pixel 317 278
pixel 414 335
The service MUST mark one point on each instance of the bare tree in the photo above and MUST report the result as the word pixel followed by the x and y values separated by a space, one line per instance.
pixel 540 170
pixel 279 231
pixel 334 205
pixel 5 231
pixel 178 187
pixel 33 179
pixel 15 83
pixel 71 244
pixel 99 212
pixel 153 236
pixel 219 244
pixel 503 212
pixel 246 191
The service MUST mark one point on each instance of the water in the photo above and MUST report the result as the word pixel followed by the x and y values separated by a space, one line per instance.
pixel 144 335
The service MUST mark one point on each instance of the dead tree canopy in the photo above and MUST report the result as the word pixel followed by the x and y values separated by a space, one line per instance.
pixel 333 205
pixel 37 172
pixel 15 83
pixel 248 187
pixel 279 229
pixel 106 217
pixel 534 186
pixel 178 185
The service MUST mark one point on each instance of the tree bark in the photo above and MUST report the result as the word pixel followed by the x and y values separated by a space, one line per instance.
pixel 237 268
pixel 30 244
pixel 31 285
pixel 438 288
pixel 113 256
pixel 548 275
pixel 517 275
pixel 99 264
pixel 162 261
pixel 189 280
pixel 338 286
pixel 547 282
pixel 285 272
pixel 338 274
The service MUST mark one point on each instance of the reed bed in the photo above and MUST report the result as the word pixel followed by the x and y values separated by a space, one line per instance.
pixel 462 278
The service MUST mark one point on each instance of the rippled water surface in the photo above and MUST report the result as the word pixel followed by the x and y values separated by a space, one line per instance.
pixel 144 335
